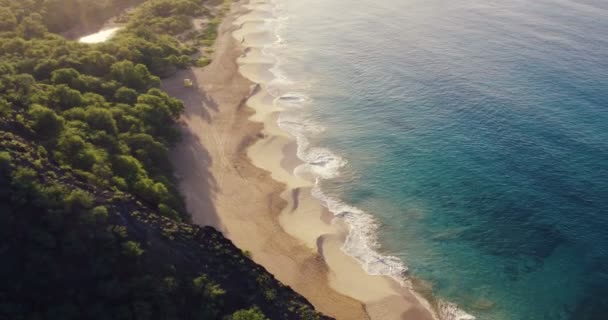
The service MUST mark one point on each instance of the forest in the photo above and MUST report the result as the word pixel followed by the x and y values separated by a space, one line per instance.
pixel 92 224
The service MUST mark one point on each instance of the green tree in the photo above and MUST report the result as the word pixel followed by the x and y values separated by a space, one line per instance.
pixel 101 119
pixel 32 27
pixel 8 21
pixel 78 200
pixel 248 314
pixel 63 97
pixel 100 213
pixel 126 95
pixel 24 182
pixel 5 108
pixel 45 122
pixel 5 162
pixel 64 76
pixel 97 63
pixel 133 75
pixel 44 68
pixel 129 168
pixel 206 287
pixel 150 152
pixel 74 150
pixel 132 249
pixel 18 89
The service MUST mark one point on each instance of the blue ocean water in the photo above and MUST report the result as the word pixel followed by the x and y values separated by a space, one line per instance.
pixel 476 134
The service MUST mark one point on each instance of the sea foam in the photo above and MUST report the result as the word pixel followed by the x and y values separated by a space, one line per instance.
pixel 321 163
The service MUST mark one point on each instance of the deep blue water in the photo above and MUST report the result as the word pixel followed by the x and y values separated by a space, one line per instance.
pixel 476 132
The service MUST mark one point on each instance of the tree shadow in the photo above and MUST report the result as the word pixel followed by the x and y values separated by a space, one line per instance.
pixel 197 103
pixel 191 160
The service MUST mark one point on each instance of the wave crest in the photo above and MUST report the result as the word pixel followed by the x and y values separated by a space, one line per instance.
pixel 320 163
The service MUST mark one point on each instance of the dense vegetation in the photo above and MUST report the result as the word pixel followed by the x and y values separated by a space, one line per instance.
pixel 91 223
pixel 73 250
pixel 62 15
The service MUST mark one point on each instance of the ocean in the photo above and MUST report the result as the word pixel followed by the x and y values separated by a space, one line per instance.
pixel 464 141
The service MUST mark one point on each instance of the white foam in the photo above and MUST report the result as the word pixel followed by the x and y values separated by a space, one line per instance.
pixel 450 311
pixel 361 243
pixel 294 100
pixel 299 127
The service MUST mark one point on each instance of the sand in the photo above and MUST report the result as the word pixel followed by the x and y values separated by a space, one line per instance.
pixel 234 166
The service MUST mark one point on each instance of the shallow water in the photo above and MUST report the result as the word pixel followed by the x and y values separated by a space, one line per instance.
pixel 469 139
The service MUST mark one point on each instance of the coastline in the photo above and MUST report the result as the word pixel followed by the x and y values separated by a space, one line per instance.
pixel 235 167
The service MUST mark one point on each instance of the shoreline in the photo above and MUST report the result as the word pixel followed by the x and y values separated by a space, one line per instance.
pixel 236 173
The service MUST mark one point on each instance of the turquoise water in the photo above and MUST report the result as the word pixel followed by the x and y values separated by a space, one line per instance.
pixel 475 133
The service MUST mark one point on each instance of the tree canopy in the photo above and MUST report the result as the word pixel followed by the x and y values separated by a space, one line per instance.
pixel 92 225
pixel 97 108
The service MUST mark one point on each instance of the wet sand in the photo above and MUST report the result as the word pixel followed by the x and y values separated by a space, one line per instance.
pixel 235 167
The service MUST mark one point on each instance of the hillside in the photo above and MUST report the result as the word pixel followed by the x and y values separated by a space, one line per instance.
pixel 92 225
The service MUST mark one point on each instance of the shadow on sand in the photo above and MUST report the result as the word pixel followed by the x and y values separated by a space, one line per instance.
pixel 191 160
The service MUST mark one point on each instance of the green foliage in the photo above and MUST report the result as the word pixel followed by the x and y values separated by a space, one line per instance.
pixel 31 26
pixel 210 291
pixel 129 168
pixel 75 151
pixel 203 62
pixel 24 178
pixel 126 95
pixel 100 119
pixel 64 76
pixel 5 162
pixel 71 250
pixel 88 203
pixel 97 107
pixel 45 121
pixel 78 200
pixel 63 97
pixel 8 21
pixel 100 213
pixel 118 231
pixel 61 15
pixel 133 75
pixel 132 249
pixel 166 211
pixel 270 294
pixel 211 30
pixel 248 314
pixel 5 108
pixel 160 16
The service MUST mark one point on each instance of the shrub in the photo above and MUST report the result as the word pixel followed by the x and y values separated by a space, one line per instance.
pixel 100 213
pixel 132 249
pixel 270 294
pixel 24 178
pixel 78 200
pixel 5 162
pixel 5 108
pixel 136 76
pixel 125 95
pixel 45 121
pixel 248 314
pixel 203 62
pixel 101 119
